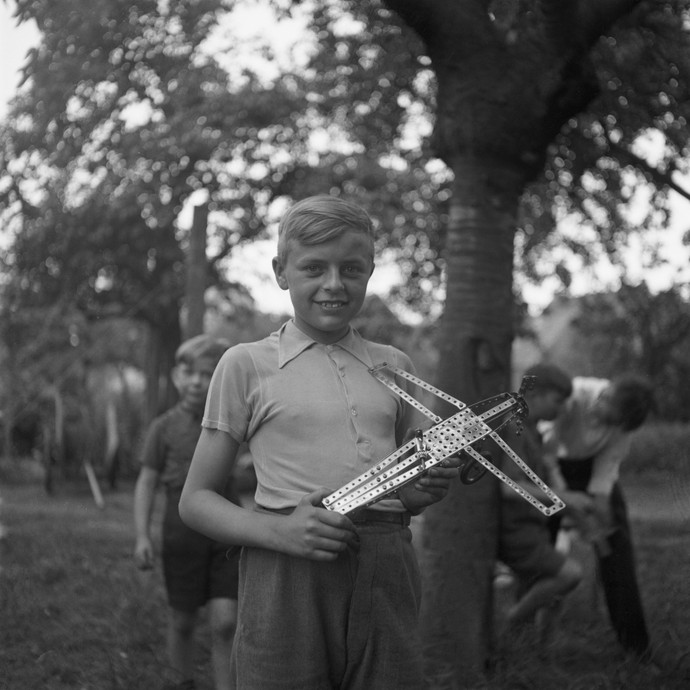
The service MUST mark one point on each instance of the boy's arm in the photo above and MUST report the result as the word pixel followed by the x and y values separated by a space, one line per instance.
pixel 309 531
pixel 144 499
pixel 607 462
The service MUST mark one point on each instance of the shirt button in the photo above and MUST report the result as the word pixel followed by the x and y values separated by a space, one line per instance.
pixel 354 412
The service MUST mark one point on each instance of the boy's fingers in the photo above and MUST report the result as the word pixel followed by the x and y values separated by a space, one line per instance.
pixel 316 497
pixel 452 462
pixel 339 535
pixel 441 474
pixel 326 516
pixel 328 547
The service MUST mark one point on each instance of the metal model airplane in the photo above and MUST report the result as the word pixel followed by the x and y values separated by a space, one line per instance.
pixel 459 433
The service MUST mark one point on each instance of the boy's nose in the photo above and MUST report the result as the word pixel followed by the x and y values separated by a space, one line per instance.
pixel 333 279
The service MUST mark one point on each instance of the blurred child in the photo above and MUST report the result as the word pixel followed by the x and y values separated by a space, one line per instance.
pixel 195 568
pixel 326 601
pixel 591 439
pixel 545 575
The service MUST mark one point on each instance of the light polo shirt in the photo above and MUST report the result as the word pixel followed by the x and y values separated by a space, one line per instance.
pixel 312 414
pixel 577 434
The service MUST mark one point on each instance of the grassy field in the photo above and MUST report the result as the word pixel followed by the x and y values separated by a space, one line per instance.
pixel 76 614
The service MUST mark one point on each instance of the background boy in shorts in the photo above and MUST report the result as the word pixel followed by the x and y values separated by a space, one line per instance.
pixel 525 545
pixel 325 601
pixel 195 568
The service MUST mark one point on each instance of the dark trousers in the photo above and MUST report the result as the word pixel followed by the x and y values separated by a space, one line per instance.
pixel 616 566
pixel 350 624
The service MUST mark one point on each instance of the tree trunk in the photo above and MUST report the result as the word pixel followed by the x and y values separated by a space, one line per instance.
pixel 460 533
pixel 160 359
pixel 7 426
pixel 196 273
pixel 508 77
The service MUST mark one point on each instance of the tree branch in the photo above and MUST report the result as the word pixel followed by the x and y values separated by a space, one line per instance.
pixel 560 19
pixel 659 177
pixel 596 17
pixel 467 20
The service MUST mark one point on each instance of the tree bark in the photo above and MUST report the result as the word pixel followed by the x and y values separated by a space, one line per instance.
pixel 196 273
pixel 460 534
pixel 507 81
pixel 163 340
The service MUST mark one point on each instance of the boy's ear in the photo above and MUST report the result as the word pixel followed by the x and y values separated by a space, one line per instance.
pixel 175 376
pixel 279 273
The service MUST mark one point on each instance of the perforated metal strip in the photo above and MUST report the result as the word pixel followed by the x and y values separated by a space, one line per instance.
pixel 378 370
pixel 541 507
pixel 445 439
pixel 441 442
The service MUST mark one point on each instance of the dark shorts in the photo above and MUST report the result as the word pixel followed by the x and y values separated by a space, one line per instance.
pixel 196 568
pixel 525 545
pixel 349 623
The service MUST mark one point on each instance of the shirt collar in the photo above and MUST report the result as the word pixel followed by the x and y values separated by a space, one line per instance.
pixel 292 343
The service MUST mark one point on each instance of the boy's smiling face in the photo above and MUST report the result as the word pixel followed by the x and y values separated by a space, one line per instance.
pixel 327 283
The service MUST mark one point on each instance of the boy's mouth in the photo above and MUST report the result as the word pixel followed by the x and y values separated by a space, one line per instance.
pixel 331 305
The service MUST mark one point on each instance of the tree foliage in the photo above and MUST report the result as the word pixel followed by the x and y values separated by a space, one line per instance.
pixel 635 330
pixel 582 84
pixel 124 116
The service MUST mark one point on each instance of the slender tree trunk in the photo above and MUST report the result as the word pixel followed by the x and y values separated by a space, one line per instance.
pixel 196 273
pixel 160 359
pixel 460 533
pixel 7 426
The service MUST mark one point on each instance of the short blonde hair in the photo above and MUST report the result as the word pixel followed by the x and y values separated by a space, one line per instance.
pixel 201 346
pixel 321 218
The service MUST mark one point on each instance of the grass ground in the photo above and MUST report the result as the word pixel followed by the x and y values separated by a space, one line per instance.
pixel 75 613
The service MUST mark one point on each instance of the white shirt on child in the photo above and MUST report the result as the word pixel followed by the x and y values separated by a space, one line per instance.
pixel 312 414
pixel 577 435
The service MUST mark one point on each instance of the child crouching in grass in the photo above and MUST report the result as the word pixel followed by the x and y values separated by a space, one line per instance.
pixel 545 575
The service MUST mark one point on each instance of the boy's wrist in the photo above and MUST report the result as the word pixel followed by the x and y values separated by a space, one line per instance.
pixel 407 504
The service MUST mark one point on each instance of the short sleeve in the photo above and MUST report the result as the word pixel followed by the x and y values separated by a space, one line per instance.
pixel 153 451
pixel 231 394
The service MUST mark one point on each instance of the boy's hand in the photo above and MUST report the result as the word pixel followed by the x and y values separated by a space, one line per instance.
pixel 315 532
pixel 143 553
pixel 430 487
pixel 577 501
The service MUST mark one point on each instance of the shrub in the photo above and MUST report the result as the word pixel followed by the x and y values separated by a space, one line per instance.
pixel 660 448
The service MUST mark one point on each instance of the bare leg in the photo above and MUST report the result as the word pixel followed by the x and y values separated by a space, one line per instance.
pixel 544 592
pixel 181 642
pixel 223 620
